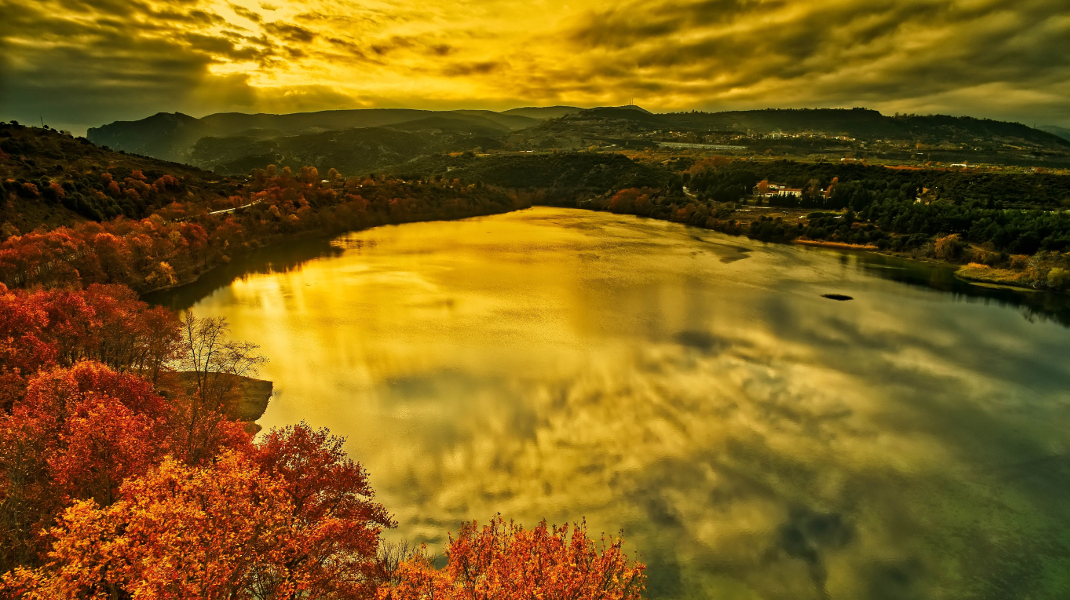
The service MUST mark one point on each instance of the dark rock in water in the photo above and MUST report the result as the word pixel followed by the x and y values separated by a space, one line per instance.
pixel 839 297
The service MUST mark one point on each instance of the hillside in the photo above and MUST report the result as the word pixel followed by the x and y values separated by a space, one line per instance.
pixel 805 133
pixel 556 177
pixel 857 123
pixel 543 112
pixel 51 179
pixel 350 151
pixel 173 136
pixel 72 213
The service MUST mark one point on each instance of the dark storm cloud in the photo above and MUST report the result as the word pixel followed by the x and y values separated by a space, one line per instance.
pixel 838 51
pixel 290 32
pixel 391 44
pixel 624 26
pixel 245 12
pixel 474 68
pixel 80 63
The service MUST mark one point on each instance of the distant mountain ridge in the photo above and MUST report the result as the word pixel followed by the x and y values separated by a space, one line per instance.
pixel 856 122
pixel 357 150
pixel 172 136
pixel 368 139
pixel 543 112
pixel 1062 132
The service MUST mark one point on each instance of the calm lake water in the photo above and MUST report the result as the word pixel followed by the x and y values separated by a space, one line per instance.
pixel 751 438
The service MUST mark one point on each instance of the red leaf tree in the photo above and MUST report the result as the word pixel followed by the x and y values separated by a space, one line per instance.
pixel 502 561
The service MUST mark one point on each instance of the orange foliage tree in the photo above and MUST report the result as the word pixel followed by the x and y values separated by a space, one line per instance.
pixel 60 327
pixel 503 561
pixel 333 524
pixel 293 518
pixel 77 433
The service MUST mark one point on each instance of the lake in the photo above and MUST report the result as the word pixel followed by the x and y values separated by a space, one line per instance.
pixel 750 437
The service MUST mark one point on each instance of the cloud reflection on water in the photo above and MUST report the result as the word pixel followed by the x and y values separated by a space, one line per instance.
pixel 753 439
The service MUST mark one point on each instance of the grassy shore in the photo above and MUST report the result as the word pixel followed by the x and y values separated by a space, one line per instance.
pixel 979 273
pixel 841 245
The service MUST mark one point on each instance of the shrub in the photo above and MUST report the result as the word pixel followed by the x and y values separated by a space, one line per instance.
pixel 1059 278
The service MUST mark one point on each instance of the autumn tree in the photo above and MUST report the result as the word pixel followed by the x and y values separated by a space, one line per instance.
pixel 24 344
pixel 502 561
pixel 309 175
pixel 291 519
pixel 109 324
pixel 214 364
pixel 334 526
pixel 78 433
pixel 178 532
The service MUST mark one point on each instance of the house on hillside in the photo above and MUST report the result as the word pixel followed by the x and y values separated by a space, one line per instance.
pixel 764 189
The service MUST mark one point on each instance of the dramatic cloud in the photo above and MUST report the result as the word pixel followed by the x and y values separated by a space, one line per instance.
pixel 84 62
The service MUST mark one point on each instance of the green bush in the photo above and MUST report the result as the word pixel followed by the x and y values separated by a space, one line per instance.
pixel 1059 278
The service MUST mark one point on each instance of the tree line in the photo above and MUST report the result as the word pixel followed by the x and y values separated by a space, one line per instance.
pixel 1011 213
pixel 1014 221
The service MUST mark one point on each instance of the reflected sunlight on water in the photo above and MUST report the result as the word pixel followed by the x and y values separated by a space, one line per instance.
pixel 752 438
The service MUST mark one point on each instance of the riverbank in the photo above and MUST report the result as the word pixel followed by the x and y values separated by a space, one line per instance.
pixel 190 277
pixel 838 245
pixel 973 273
pixel 984 274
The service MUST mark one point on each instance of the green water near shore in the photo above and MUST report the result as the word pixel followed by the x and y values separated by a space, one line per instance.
pixel 752 438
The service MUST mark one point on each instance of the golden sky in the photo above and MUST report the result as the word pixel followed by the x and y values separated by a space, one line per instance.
pixel 80 63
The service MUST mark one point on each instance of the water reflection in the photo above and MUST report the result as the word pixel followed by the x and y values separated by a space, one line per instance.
pixel 753 439
pixel 279 258
pixel 1032 304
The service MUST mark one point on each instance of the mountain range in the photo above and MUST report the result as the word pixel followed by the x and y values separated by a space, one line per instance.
pixel 366 140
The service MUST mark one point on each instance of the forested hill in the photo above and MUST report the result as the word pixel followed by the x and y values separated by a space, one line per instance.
pixel 172 136
pixel 864 124
pixel 49 179
pixel 856 124
pixel 72 213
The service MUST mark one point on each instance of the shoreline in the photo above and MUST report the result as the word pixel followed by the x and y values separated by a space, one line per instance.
pixel 980 275
pixel 995 277
pixel 246 252
pixel 971 273
pixel 837 245
pixel 304 235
